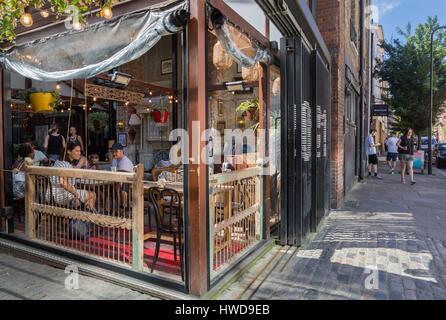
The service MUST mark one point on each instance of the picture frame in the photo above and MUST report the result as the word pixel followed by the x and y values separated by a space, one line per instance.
pixel 239 68
pixel 166 66
pixel 122 138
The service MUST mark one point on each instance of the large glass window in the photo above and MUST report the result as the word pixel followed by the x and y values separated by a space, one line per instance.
pixel 250 11
pixel 235 187
pixel 122 120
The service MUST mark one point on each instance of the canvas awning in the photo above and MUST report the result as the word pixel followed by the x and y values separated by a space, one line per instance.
pixel 98 47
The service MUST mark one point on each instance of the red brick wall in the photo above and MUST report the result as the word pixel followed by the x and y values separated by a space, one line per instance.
pixel 331 27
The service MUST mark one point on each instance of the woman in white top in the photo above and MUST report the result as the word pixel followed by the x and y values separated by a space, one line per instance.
pixel 63 189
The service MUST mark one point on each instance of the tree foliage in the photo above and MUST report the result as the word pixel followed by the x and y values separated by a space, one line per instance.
pixel 406 69
pixel 12 10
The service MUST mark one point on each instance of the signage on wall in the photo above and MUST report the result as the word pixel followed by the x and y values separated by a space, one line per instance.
pixel 380 110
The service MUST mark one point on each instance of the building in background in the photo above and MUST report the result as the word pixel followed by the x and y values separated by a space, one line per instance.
pixel 342 24
pixel 382 124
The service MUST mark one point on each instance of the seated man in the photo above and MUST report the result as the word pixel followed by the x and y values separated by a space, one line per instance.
pixel 123 164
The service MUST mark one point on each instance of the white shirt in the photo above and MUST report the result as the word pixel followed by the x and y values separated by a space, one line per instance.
pixel 38 157
pixel 125 164
pixel 392 145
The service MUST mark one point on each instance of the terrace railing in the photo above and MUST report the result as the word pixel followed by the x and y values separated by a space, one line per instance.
pixel 109 227
pixel 235 212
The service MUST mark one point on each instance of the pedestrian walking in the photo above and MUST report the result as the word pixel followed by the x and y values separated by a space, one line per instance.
pixel 392 152
pixel 371 153
pixel 406 150
pixel 54 143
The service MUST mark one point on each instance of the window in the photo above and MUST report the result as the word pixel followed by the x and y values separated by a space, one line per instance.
pixel 250 11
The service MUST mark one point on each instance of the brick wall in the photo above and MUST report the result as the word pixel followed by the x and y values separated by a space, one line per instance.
pixel 333 19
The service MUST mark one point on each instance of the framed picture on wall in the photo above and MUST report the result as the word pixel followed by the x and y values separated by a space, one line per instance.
pixel 122 139
pixel 239 68
pixel 166 66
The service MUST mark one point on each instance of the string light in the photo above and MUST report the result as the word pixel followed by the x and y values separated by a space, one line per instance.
pixel 106 13
pixel 29 106
pixel 44 13
pixel 26 19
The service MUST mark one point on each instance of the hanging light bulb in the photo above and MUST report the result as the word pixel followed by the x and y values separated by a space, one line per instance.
pixel 44 13
pixel 106 13
pixel 220 58
pixel 94 99
pixel 26 19
pixel 77 24
pixel 276 87
pixel 58 85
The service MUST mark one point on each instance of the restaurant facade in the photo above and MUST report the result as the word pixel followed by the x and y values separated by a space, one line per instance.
pixel 223 107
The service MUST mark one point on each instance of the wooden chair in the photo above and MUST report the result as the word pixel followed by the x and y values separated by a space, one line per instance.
pixel 169 220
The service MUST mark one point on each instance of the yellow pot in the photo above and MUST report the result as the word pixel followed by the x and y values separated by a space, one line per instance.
pixel 42 101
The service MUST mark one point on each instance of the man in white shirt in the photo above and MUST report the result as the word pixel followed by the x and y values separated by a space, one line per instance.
pixel 392 152
pixel 120 160
pixel 370 147
pixel 122 163
pixel 39 157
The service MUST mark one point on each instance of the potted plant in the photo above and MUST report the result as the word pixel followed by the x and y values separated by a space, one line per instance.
pixel 41 100
pixel 250 110
pixel 97 121
pixel 160 115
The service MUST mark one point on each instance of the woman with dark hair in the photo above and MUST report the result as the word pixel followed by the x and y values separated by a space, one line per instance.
pixel 75 138
pixel 54 143
pixel 64 189
pixel 406 150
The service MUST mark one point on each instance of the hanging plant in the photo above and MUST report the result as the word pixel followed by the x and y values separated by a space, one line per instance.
pixel 41 100
pixel 160 115
pixel 250 109
pixel 12 10
pixel 98 121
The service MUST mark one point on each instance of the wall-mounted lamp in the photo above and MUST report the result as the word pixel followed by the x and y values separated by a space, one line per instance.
pixel 121 78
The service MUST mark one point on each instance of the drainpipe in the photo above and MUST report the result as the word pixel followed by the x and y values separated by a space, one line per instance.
pixel 361 100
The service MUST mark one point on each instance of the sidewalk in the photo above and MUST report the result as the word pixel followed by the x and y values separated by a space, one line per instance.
pixel 25 280
pixel 399 230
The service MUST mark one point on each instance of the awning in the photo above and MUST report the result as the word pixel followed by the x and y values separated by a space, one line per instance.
pixel 98 47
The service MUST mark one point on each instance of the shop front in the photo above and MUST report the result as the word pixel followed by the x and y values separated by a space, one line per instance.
pixel 190 93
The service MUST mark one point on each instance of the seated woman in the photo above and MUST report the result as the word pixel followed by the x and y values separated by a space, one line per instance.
pixel 81 163
pixel 63 189
pixel 26 154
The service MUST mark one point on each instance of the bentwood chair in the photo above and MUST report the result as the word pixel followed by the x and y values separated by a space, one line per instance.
pixel 169 220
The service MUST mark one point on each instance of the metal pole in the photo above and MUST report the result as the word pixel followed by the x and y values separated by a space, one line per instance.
pixel 429 150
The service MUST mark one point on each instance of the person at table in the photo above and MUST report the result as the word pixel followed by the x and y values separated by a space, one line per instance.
pixel 54 143
pixel 63 189
pixel 122 163
pixel 39 157
pixel 93 161
pixel 82 163
pixel 26 154
pixel 75 138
